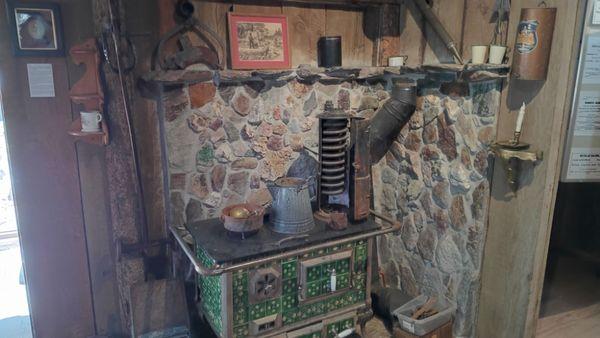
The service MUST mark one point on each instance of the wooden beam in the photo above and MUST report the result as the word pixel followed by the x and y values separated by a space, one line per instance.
pixel 519 227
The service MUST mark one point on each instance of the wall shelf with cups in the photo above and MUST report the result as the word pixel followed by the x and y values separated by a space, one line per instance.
pixel 88 94
pixel 100 137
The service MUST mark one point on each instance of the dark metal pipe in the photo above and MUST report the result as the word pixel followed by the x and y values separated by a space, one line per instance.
pixel 439 28
pixel 390 118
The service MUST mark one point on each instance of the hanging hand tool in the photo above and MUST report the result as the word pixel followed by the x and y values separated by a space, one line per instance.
pixel 439 28
pixel 190 54
pixel 114 33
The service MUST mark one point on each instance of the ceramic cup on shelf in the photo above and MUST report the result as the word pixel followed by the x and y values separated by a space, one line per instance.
pixel 478 54
pixel 497 54
pixel 90 121
pixel 397 61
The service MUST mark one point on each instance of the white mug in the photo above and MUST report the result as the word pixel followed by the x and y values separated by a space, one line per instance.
pixel 90 121
pixel 478 54
pixel 497 54
pixel 397 61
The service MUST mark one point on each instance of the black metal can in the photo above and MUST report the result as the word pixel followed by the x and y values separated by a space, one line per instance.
pixel 329 49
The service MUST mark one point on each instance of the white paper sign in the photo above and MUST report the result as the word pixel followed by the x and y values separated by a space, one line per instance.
pixel 596 13
pixel 41 80
pixel 587 121
pixel 584 164
pixel 591 66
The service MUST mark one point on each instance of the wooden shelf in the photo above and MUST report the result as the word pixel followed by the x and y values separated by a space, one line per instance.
pixel 98 138
pixel 477 72
pixel 88 92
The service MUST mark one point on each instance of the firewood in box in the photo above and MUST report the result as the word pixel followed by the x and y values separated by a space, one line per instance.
pixel 426 310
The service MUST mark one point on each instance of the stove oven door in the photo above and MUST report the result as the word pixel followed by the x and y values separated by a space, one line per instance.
pixel 325 276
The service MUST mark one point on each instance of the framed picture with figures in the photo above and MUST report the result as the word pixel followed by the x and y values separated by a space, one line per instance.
pixel 258 41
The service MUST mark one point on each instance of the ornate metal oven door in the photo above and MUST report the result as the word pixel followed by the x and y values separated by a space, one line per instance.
pixel 263 285
pixel 324 276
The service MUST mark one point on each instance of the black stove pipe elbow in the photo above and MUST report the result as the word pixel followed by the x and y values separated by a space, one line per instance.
pixel 390 118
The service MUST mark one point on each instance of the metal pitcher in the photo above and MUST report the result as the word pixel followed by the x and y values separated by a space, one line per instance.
pixel 291 212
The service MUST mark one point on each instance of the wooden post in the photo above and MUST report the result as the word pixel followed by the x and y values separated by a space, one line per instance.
pixel 519 227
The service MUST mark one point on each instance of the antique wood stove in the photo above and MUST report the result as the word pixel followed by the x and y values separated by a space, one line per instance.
pixel 315 284
pixel 274 285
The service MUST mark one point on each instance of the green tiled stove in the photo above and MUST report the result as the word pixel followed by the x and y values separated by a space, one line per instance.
pixel 275 285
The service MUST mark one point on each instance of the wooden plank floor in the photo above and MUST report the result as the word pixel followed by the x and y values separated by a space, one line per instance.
pixel 581 323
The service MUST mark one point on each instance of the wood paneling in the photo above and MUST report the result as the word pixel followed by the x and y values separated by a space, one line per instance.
pixel 400 28
pixel 519 227
pixel 306 25
pixel 47 196
pixel 480 31
pixel 357 49
pixel 450 14
pixel 412 33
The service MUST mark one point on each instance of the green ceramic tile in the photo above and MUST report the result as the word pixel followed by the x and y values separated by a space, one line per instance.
pixel 343 266
pixel 313 289
pixel 272 307
pixel 327 268
pixel 289 301
pixel 240 316
pixel 342 281
pixel 290 287
pixel 289 269
pixel 257 311
pixel 360 266
pixel 332 330
pixel 313 273
pixel 241 331
pixel 346 324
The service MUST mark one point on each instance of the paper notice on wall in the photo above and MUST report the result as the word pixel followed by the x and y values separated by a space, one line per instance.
pixel 41 80
pixel 591 65
pixel 596 13
pixel 587 121
pixel 584 164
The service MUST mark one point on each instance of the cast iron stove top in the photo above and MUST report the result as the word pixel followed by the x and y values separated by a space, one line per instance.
pixel 213 238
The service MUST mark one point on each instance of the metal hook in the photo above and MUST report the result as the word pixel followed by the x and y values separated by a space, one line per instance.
pixel 543 4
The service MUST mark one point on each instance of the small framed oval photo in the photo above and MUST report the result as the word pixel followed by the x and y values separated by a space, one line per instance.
pixel 35 28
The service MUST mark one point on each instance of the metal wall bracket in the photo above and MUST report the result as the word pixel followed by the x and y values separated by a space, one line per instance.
pixel 512 154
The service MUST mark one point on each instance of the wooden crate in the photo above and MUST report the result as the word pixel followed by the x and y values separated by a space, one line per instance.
pixel 444 331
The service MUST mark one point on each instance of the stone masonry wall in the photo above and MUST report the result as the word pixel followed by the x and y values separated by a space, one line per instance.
pixel 435 181
pixel 224 143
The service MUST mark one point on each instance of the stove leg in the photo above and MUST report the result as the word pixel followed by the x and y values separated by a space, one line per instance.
pixel 363 317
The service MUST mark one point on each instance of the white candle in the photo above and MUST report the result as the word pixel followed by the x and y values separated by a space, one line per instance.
pixel 520 118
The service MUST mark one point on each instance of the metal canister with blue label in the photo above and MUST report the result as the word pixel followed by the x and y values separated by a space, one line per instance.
pixel 533 43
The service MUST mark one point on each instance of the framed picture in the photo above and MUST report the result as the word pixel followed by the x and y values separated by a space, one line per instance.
pixel 36 28
pixel 258 41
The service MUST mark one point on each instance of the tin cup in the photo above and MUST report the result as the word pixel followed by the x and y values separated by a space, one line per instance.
pixel 397 61
pixel 497 54
pixel 478 54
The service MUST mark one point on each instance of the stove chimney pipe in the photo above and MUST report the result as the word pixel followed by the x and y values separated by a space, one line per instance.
pixel 390 118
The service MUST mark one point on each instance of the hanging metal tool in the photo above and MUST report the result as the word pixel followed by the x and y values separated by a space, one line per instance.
pixel 113 32
pixel 439 28
pixel 128 60
pixel 189 54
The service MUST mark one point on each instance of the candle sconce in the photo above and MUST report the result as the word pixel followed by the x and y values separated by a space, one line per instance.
pixel 513 153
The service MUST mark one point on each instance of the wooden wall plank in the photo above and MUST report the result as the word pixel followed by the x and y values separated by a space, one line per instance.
pixel 519 227
pixel 214 15
pixel 390 33
pixel 478 25
pixel 259 7
pixel 357 49
pixel 47 194
pixel 306 24
pixel 412 33
pixel 450 14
